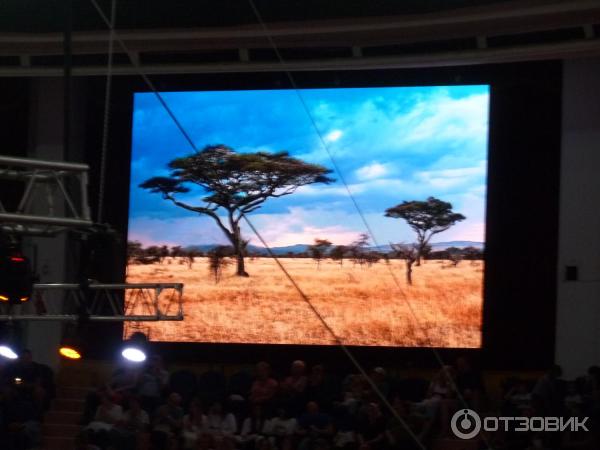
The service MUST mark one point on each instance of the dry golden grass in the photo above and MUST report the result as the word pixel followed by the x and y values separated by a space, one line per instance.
pixel 363 305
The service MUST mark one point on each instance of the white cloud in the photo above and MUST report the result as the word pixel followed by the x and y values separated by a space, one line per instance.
pixel 303 225
pixel 370 171
pixel 334 135
pixel 450 178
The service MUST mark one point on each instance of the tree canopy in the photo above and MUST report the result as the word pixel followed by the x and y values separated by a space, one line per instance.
pixel 237 183
pixel 426 218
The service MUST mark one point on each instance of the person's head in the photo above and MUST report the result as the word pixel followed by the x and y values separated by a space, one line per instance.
pixel 378 374
pixel 399 405
pixel 106 397
pixel 445 375
pixel 155 362
pixel 263 370
pixel 373 410
pixel 257 410
pixel 216 408
pixel 281 413
pixel 594 372
pixel 25 356
pixel 322 444
pixel 298 368
pixel 134 403
pixel 555 371
pixel 317 370
pixel 312 407
pixel 174 399
pixel 195 407
pixel 522 387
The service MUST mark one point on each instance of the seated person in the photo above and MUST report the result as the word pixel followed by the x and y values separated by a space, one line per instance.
pixel 372 429
pixel 169 417
pixel 133 423
pixel 151 384
pixel 252 430
pixel 108 413
pixel 313 426
pixel 264 388
pixel 194 422
pixel 221 426
pixel 280 430
pixel 469 383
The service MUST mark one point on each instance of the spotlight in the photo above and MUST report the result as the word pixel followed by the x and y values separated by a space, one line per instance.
pixel 69 352
pixel 72 343
pixel 16 277
pixel 134 349
pixel 133 354
pixel 7 352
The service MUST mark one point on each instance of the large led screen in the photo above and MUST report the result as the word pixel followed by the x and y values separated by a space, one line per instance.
pixel 372 200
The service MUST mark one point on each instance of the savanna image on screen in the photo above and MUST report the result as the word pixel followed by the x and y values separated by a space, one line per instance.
pixel 373 199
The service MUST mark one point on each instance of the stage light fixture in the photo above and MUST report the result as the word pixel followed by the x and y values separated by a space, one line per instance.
pixel 72 343
pixel 16 277
pixel 69 352
pixel 7 352
pixel 134 349
pixel 134 354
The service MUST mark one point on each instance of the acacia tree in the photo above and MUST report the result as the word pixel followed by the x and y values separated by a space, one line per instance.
pixel 338 253
pixel 358 249
pixel 234 184
pixel 407 252
pixel 426 218
pixel 319 250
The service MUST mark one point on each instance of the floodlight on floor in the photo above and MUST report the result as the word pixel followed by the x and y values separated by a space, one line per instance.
pixel 135 348
pixel 6 351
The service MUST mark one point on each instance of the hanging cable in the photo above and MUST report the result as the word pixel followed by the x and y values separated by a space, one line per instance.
pixel 313 122
pixel 106 119
pixel 338 341
pixel 188 138
pixel 136 64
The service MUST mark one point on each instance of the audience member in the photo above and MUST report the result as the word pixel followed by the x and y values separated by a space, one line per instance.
pixel 264 388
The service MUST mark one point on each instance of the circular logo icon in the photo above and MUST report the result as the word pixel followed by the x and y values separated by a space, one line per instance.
pixel 465 424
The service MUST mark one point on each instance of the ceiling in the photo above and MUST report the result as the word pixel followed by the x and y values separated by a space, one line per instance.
pixel 162 37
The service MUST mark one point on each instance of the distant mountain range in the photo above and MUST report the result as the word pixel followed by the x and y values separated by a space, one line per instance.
pixel 302 248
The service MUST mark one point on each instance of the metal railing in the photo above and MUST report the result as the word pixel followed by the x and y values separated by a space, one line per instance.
pixel 127 302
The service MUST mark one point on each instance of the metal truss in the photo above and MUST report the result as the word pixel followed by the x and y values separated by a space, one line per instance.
pixel 52 196
pixel 128 302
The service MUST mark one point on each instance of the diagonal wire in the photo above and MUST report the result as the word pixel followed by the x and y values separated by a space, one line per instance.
pixel 335 337
pixel 148 82
pixel 136 64
pixel 313 122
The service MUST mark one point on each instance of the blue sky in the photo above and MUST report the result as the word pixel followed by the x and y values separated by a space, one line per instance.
pixel 389 144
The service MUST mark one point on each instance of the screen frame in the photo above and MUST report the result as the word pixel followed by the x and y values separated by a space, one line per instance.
pixel 520 92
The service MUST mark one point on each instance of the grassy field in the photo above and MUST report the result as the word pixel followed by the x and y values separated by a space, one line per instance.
pixel 363 305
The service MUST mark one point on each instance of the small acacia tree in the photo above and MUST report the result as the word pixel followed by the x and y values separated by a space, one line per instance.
pixel 407 252
pixel 338 253
pixel 358 249
pixel 426 218
pixel 217 260
pixel 319 250
pixel 234 184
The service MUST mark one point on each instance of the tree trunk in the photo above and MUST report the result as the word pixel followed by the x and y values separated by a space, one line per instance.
pixel 241 270
pixel 409 271
pixel 238 248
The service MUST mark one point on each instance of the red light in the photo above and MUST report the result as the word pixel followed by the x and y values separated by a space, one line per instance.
pixel 17 259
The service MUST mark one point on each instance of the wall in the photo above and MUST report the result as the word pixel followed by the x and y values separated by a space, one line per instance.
pixel 578 305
